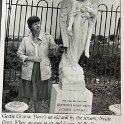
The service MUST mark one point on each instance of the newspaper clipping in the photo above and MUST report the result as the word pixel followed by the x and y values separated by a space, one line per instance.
pixel 60 62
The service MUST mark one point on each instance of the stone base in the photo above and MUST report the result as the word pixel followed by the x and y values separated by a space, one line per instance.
pixel 71 77
pixel 75 102
pixel 76 87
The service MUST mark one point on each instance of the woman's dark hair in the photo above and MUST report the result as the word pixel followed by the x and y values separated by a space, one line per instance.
pixel 31 20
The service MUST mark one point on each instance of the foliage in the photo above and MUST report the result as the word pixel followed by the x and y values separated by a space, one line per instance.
pixel 99 38
pixel 101 66
pixel 11 60
pixel 112 37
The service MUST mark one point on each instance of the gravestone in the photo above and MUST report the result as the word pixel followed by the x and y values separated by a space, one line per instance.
pixel 75 102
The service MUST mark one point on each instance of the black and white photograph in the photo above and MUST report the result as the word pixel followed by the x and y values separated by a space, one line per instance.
pixel 62 57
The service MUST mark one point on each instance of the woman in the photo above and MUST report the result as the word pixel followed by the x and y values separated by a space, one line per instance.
pixel 80 23
pixel 36 69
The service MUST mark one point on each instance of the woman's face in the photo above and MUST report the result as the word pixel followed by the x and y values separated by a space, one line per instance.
pixel 36 27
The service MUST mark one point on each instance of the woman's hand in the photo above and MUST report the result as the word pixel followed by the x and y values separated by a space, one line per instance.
pixel 37 59
pixel 69 31
pixel 33 59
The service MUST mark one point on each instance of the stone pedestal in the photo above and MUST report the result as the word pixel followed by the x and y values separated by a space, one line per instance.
pixel 75 102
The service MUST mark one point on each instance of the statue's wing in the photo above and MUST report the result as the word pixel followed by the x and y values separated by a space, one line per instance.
pixel 95 4
pixel 66 7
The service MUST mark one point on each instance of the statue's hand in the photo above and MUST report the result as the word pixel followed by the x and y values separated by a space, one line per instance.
pixel 69 31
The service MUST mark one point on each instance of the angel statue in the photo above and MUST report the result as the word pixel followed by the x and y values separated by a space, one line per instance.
pixel 77 21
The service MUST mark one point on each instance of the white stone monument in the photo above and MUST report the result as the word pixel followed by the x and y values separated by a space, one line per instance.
pixel 77 20
pixel 78 102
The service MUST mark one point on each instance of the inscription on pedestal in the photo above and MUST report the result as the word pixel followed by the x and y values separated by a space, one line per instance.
pixel 73 106
pixel 77 102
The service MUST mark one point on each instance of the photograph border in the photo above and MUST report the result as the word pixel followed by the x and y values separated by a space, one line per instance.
pixel 116 118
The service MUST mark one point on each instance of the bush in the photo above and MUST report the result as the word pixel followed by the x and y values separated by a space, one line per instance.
pixel 101 65
pixel 11 60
